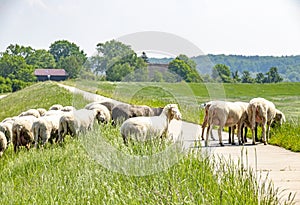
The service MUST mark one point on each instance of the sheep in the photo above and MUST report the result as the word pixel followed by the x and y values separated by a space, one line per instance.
pixel 22 134
pixel 141 127
pixel 56 107
pixel 122 112
pixel 6 127
pixel 108 104
pixel 225 114
pixel 68 109
pixel 77 121
pixel 33 112
pixel 46 128
pixel 105 115
pixel 204 124
pixel 263 112
pixel 42 111
pixel 3 143
pixel 279 118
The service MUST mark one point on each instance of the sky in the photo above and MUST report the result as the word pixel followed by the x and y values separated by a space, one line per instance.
pixel 239 27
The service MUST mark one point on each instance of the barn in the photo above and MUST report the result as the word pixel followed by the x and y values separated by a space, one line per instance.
pixel 50 74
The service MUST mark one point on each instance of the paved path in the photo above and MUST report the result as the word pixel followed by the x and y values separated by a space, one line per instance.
pixel 281 166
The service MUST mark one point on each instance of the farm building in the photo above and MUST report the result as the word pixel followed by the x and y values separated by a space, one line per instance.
pixel 50 74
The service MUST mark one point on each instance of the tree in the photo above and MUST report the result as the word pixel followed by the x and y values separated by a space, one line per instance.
pixel 235 77
pixel 246 77
pixel 41 59
pixel 273 75
pixel 71 64
pixel 17 50
pixel 63 48
pixel 260 78
pixel 185 68
pixel 221 72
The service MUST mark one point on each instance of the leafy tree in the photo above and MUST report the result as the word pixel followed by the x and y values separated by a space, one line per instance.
pixel 235 77
pixel 222 72
pixel 71 64
pixel 273 75
pixel 63 48
pixel 185 68
pixel 260 78
pixel 41 59
pixel 246 77
pixel 17 50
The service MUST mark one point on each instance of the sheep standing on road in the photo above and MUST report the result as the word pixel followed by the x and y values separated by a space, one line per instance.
pixel 263 112
pixel 141 128
pixel 3 143
pixel 225 114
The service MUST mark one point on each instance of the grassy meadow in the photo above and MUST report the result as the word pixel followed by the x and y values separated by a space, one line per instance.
pixel 71 173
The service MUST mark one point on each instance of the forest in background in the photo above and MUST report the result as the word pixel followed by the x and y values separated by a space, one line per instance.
pixel 288 66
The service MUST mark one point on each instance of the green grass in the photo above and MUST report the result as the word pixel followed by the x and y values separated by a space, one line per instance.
pixel 70 173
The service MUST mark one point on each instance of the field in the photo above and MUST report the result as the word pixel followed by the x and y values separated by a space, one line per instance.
pixel 70 173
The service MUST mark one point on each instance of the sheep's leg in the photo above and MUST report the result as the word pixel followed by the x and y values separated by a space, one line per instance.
pixel 245 135
pixel 256 137
pixel 264 133
pixel 208 131
pixel 220 136
pixel 203 128
pixel 229 133
pixel 268 131
pixel 232 135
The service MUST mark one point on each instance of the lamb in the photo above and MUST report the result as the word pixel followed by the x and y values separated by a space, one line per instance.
pixel 141 127
pixel 263 112
pixel 33 112
pixel 105 115
pixel 225 114
pixel 77 121
pixel 3 143
pixel 22 134
pixel 122 112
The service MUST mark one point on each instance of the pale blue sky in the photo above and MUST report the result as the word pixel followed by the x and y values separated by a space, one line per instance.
pixel 247 27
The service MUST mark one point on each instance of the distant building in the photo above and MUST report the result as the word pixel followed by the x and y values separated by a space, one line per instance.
pixel 50 74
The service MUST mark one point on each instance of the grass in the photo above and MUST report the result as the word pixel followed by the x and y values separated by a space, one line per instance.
pixel 71 173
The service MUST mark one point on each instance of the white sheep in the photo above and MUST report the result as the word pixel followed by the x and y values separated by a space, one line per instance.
pixel 104 113
pixel 56 107
pixel 3 143
pixel 77 121
pixel 6 127
pixel 22 134
pixel 31 112
pixel 263 112
pixel 42 111
pixel 141 128
pixel 46 128
pixel 68 108
pixel 225 114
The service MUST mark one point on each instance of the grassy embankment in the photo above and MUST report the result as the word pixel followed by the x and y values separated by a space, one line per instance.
pixel 66 174
pixel 286 97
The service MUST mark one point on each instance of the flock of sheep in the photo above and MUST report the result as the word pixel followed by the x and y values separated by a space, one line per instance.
pixel 35 127
pixel 38 126
pixel 258 111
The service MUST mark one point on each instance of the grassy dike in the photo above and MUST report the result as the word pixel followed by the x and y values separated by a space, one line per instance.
pixel 69 174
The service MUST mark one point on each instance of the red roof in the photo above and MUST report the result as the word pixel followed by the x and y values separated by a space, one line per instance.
pixel 46 72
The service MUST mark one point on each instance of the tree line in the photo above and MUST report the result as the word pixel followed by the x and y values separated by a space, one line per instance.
pixel 114 61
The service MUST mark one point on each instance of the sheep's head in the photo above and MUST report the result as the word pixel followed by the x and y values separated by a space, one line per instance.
pixel 279 117
pixel 100 116
pixel 172 112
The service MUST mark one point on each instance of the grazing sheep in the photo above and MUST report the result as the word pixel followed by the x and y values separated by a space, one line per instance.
pixel 46 128
pixel 31 112
pixel 22 134
pixel 141 127
pixel 3 143
pixel 42 111
pixel 104 113
pixel 225 114
pixel 279 118
pixel 263 112
pixel 108 104
pixel 68 109
pixel 78 121
pixel 56 107
pixel 204 124
pixel 122 112
pixel 6 127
